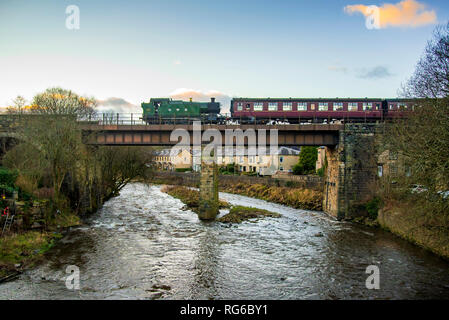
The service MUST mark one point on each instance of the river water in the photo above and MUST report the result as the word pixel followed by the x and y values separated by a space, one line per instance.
pixel 143 245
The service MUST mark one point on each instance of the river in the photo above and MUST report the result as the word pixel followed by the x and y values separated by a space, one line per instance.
pixel 143 245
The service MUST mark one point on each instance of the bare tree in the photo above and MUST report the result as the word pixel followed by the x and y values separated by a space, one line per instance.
pixel 421 139
pixel 431 76
pixel 18 105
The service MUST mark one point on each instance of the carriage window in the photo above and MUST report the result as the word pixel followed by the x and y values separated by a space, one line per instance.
pixel 302 106
pixel 338 106
pixel 287 106
pixel 377 106
pixel 239 106
pixel 402 106
pixel 258 106
pixel 367 106
pixel 353 106
pixel 273 106
pixel 391 106
pixel 248 106
pixel 323 106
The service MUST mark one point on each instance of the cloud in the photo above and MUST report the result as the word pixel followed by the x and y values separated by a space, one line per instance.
pixel 117 105
pixel 201 96
pixel 377 72
pixel 407 13
pixel 338 69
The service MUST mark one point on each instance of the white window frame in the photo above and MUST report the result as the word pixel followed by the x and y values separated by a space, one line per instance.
pixel 367 104
pixel 302 106
pixel 353 106
pixel 287 106
pixel 321 106
pixel 337 104
pixel 272 106
pixel 258 106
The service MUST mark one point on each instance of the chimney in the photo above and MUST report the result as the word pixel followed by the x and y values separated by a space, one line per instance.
pixel 212 99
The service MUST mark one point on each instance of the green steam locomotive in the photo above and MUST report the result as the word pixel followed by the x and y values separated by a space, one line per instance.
pixel 162 110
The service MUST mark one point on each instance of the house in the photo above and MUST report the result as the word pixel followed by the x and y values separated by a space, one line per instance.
pixel 282 160
pixel 171 159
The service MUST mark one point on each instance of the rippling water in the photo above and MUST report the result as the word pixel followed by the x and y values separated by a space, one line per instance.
pixel 142 245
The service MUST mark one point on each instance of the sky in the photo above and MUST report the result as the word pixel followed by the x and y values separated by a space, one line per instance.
pixel 126 52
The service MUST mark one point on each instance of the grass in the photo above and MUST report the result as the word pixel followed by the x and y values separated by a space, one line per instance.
pixel 189 197
pixel 293 197
pixel 24 249
pixel 238 214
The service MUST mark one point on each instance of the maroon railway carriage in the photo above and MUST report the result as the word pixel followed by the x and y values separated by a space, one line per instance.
pixel 398 108
pixel 295 110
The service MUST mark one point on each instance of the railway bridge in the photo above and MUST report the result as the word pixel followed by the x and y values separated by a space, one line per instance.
pixel 350 153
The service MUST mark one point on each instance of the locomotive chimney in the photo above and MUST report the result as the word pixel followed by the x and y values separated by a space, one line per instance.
pixel 212 99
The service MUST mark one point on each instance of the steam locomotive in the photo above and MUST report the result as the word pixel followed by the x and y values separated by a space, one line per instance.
pixel 164 110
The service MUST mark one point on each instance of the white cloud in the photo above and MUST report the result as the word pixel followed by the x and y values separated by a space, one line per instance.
pixel 203 96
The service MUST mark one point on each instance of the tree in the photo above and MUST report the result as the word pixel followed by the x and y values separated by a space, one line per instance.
pixel 431 76
pixel 18 105
pixel 307 161
pixel 58 101
pixel 421 140
pixel 119 165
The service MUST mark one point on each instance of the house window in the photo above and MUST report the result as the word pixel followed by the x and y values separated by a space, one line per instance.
pixel 380 170
pixel 338 106
pixel 302 106
pixel 353 106
pixel 281 168
pixel 239 106
pixel 323 106
pixel 287 106
pixel 272 106
pixel 367 106
pixel 281 159
pixel 258 106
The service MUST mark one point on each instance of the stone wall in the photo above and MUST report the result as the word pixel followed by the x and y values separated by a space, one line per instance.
pixel 351 177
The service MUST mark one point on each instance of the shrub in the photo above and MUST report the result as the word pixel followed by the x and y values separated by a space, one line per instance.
pixel 8 177
pixel 320 172
pixel 372 207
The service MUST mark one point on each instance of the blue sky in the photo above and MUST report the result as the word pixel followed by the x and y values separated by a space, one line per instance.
pixel 135 50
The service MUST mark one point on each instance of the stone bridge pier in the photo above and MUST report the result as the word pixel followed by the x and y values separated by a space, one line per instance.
pixel 351 170
pixel 208 199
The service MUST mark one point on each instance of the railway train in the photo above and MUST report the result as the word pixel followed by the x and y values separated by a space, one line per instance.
pixel 277 110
